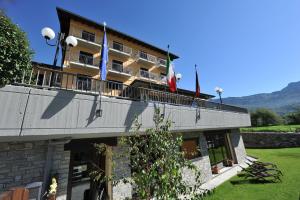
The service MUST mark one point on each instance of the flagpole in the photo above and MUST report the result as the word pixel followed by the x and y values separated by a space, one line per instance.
pixel 99 111
pixel 195 72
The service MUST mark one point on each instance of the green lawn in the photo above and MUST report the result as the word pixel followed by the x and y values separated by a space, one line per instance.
pixel 279 128
pixel 287 160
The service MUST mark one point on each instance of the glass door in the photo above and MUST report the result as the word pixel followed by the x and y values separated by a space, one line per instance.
pixel 218 147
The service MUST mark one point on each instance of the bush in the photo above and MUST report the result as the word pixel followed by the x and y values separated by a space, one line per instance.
pixel 293 117
pixel 265 117
pixel 15 54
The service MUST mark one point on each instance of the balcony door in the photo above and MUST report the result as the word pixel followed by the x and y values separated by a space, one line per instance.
pixel 84 83
pixel 85 58
pixel 117 66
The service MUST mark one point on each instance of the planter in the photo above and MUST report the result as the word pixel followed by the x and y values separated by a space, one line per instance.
pixel 215 170
pixel 228 163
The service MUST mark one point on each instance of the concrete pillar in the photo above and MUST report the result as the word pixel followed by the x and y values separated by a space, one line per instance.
pixel 238 145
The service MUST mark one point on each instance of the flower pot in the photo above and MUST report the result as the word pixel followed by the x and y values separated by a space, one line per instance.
pixel 228 163
pixel 215 170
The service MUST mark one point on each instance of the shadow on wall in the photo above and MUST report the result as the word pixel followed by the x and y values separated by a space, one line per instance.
pixel 135 110
pixel 92 115
pixel 59 102
pixel 235 139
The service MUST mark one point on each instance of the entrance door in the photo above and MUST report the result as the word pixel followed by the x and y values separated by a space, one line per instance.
pixel 82 161
pixel 218 148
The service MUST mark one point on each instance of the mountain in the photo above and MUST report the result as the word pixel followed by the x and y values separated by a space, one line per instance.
pixel 283 101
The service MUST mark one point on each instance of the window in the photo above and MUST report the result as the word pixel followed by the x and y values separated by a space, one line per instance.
pixel 88 36
pixel 114 85
pixel 83 82
pixel 190 147
pixel 162 61
pixel 144 73
pixel 85 58
pixel 217 145
pixel 117 66
pixel 118 46
pixel 143 55
pixel 163 77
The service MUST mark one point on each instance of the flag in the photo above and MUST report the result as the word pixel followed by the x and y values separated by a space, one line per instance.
pixel 171 78
pixel 104 56
pixel 197 84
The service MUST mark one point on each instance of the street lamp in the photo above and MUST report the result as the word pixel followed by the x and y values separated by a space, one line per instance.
pixel 219 91
pixel 49 34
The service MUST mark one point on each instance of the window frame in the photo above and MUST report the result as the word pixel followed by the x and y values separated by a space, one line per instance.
pixel 193 157
pixel 86 55
pixel 89 35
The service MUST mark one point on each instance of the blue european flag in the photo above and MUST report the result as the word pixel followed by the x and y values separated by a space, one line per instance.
pixel 104 57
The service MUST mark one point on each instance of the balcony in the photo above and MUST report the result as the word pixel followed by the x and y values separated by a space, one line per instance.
pixel 162 62
pixel 146 58
pixel 119 49
pixel 84 61
pixel 149 76
pixel 34 106
pixel 118 69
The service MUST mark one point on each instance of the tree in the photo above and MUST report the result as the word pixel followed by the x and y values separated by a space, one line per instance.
pixel 157 163
pixel 265 117
pixel 293 117
pixel 15 54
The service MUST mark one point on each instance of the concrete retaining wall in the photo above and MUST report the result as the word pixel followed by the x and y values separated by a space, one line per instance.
pixel 271 140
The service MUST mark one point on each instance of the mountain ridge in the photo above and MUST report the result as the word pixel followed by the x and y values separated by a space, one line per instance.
pixel 281 101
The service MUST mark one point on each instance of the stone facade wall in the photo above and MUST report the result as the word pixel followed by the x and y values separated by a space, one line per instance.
pixel 24 162
pixel 121 169
pixel 203 162
pixel 237 143
pixel 271 140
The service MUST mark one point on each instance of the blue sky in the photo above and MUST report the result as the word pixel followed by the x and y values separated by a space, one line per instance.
pixel 246 47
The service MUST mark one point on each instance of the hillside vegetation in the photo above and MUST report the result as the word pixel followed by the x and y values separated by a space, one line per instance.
pixel 282 102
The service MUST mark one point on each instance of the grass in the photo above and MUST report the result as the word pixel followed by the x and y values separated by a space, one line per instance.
pixel 278 128
pixel 287 160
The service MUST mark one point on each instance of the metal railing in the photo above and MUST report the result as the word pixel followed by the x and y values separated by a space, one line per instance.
pixel 116 67
pixel 146 56
pixel 85 59
pixel 148 75
pixel 162 62
pixel 120 47
pixel 88 36
pixel 45 78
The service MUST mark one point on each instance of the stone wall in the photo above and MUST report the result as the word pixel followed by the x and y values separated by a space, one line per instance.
pixel 237 143
pixel 121 169
pixel 271 140
pixel 203 162
pixel 25 162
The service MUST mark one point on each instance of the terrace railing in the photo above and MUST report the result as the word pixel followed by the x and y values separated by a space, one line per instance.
pixel 45 78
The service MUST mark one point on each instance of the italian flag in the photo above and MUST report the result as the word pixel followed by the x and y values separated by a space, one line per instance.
pixel 171 78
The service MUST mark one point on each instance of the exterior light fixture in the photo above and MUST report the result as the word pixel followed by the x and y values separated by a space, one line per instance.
pixel 49 34
pixel 219 91
pixel 178 77
pixel 71 41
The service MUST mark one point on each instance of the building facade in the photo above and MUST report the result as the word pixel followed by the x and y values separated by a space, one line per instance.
pixel 53 117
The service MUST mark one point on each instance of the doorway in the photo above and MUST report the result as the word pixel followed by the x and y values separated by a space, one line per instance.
pixel 82 161
pixel 218 147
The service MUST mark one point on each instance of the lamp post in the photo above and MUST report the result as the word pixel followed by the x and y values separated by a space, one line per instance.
pixel 49 34
pixel 219 91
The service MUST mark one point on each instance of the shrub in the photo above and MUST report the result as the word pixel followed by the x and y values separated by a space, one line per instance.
pixel 265 117
pixel 293 117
